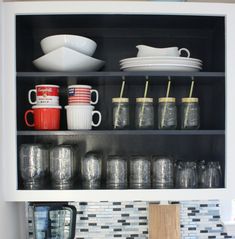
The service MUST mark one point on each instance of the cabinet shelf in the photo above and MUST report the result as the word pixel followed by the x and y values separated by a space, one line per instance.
pixel 119 132
pixel 115 195
pixel 121 74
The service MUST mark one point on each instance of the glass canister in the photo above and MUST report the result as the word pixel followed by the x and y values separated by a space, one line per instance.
pixel 34 165
pixel 62 166
pixel 186 175
pixel 162 172
pixel 190 113
pixel 121 118
pixel 116 172
pixel 91 170
pixel 167 113
pixel 144 113
pixel 140 174
pixel 212 175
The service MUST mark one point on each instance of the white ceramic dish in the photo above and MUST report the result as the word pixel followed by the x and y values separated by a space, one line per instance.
pixel 176 62
pixel 161 67
pixel 179 59
pixel 144 51
pixel 65 59
pixel 74 42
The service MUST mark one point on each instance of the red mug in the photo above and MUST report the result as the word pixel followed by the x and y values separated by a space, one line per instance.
pixel 45 117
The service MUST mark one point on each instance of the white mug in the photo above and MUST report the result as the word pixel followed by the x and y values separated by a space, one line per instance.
pixel 144 51
pixel 80 117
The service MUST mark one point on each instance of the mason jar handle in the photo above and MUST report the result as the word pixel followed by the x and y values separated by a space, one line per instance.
pixel 26 118
pixel 96 97
pixel 29 97
pixel 184 50
pixel 100 117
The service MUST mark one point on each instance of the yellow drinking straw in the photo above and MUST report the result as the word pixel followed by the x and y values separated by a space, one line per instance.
pixel 118 109
pixel 190 96
pixel 145 94
pixel 167 95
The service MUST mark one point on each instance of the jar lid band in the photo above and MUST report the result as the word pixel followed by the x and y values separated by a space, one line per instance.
pixel 189 100
pixel 120 100
pixel 144 100
pixel 167 100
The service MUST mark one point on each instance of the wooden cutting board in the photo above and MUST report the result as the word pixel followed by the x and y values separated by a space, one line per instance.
pixel 164 221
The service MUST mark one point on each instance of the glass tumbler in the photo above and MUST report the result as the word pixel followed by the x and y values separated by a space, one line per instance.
pixel 186 175
pixel 190 113
pixel 34 165
pixel 212 175
pixel 144 113
pixel 121 118
pixel 91 170
pixel 62 166
pixel 167 113
pixel 116 172
pixel 140 174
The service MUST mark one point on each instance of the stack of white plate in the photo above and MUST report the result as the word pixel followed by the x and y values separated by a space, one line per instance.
pixel 160 63
pixel 68 53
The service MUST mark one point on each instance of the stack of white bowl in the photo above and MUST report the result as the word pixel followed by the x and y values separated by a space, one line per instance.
pixel 68 53
pixel 161 59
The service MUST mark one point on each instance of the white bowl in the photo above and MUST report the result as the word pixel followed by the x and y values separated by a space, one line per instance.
pixel 66 59
pixel 74 42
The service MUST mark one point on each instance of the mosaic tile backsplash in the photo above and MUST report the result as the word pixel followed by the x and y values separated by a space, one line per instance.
pixel 129 220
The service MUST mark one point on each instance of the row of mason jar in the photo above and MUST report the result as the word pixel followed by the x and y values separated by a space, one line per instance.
pixel 39 164
pixel 167 113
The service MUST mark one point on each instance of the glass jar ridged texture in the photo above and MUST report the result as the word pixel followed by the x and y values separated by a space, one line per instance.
pixel 121 118
pixel 116 172
pixel 167 113
pixel 162 172
pixel 62 166
pixel 190 113
pixel 144 113
pixel 34 165
pixel 91 170
pixel 140 175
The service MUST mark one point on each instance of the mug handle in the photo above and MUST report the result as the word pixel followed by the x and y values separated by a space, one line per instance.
pixel 26 118
pixel 96 96
pixel 100 117
pixel 29 97
pixel 186 50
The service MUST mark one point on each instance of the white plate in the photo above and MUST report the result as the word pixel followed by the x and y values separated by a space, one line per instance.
pixel 65 59
pixel 187 59
pixel 161 67
pixel 149 61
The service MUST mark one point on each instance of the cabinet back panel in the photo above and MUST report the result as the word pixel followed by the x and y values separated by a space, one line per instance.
pixel 118 35
pixel 180 147
pixel 211 99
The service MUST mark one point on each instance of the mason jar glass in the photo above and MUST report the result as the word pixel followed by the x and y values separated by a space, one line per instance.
pixel 162 172
pixel 167 113
pixel 144 113
pixel 121 118
pixel 116 172
pixel 140 174
pixel 190 113
pixel 91 170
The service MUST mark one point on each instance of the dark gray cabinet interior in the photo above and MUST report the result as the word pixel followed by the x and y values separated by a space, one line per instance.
pixel 116 37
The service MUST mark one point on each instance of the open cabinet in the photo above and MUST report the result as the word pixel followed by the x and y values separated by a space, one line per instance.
pixel 117 28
